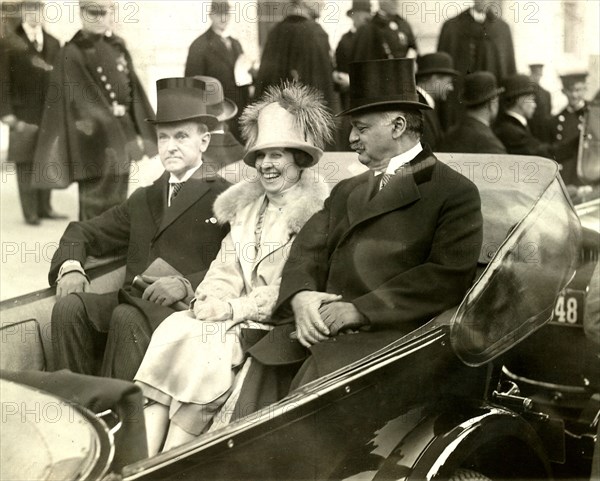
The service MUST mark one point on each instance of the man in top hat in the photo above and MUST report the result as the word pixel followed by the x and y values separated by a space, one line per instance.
pixel 94 126
pixel 512 128
pixel 386 35
pixel 360 13
pixel 224 148
pixel 391 249
pixel 214 54
pixel 568 122
pixel 167 230
pixel 435 80
pixel 27 61
pixel 474 133
pixel 539 123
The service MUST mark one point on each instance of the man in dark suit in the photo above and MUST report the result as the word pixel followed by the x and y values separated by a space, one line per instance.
pixel 477 40
pixel 93 126
pixel 435 81
pixel 391 249
pixel 474 133
pixel 512 127
pixel 540 121
pixel 167 230
pixel 214 54
pixel 27 62
pixel 385 35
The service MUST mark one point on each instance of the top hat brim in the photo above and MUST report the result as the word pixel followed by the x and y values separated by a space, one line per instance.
pixel 392 104
pixel 314 152
pixel 210 121
pixel 438 71
pixel 481 100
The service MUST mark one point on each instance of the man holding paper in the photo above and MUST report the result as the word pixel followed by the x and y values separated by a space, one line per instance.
pixel 167 231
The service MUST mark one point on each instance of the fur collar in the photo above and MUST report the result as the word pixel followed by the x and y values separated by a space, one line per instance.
pixel 305 200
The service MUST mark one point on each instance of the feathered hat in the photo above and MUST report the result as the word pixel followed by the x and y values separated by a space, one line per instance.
pixel 290 115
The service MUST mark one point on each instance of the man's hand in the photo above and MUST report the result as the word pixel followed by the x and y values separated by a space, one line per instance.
pixel 310 328
pixel 73 281
pixel 211 309
pixel 341 316
pixel 163 290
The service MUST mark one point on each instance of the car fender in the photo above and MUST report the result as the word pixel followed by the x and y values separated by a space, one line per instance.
pixel 488 439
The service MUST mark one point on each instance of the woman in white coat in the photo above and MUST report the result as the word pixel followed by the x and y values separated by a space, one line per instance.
pixel 188 368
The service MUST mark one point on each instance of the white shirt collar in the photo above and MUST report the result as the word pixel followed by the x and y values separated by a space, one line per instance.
pixel 187 175
pixel 517 116
pixel 33 33
pixel 479 17
pixel 428 98
pixel 402 159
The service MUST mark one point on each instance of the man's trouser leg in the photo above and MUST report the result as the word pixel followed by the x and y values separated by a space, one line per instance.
pixel 79 324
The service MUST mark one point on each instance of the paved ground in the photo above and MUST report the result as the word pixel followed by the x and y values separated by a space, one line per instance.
pixel 27 250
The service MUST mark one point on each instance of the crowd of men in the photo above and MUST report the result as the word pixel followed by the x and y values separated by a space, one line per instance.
pixel 394 112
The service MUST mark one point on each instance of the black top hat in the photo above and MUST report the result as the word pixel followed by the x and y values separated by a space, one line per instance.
pixel 383 83
pixel 218 105
pixel 183 98
pixel 479 87
pixel 571 78
pixel 517 85
pixel 435 63
pixel 359 6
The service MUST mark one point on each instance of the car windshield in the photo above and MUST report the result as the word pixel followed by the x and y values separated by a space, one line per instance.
pixel 531 241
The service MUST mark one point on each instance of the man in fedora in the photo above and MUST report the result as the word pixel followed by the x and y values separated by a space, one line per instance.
pixel 474 133
pixel 167 232
pixel 435 79
pixel 512 128
pixel 215 54
pixel 224 148
pixel 391 249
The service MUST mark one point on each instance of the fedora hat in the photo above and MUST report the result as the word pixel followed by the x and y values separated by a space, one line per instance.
pixel 435 63
pixel 359 6
pixel 180 99
pixel 479 87
pixel 290 115
pixel 383 83
pixel 218 105
pixel 517 85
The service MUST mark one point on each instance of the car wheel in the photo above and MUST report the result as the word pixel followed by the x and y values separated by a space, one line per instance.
pixel 468 475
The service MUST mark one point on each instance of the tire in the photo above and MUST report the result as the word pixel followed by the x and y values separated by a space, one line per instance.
pixel 467 475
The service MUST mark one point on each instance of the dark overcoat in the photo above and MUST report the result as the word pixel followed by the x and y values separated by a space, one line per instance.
pixel 27 76
pixel 432 129
pixel 383 36
pixel 472 136
pixel 146 229
pixel 80 138
pixel 297 48
pixel 401 257
pixel 540 123
pixel 518 140
pixel 209 56
pixel 567 125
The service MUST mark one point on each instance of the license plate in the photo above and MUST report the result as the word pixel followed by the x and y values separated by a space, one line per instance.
pixel 569 308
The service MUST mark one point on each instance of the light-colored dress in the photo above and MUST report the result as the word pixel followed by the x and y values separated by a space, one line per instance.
pixel 189 365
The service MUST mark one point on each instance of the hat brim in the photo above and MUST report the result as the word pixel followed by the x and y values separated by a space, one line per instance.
pixel 438 71
pixel 230 110
pixel 389 103
pixel 314 152
pixel 484 99
pixel 210 121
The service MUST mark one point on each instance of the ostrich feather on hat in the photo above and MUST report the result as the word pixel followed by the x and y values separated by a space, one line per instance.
pixel 290 115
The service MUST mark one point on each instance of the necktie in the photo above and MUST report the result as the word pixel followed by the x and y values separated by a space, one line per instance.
pixel 37 45
pixel 385 178
pixel 175 188
pixel 227 42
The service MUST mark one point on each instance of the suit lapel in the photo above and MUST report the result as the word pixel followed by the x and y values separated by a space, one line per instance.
pixel 220 50
pixel 156 197
pixel 194 189
pixel 401 191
